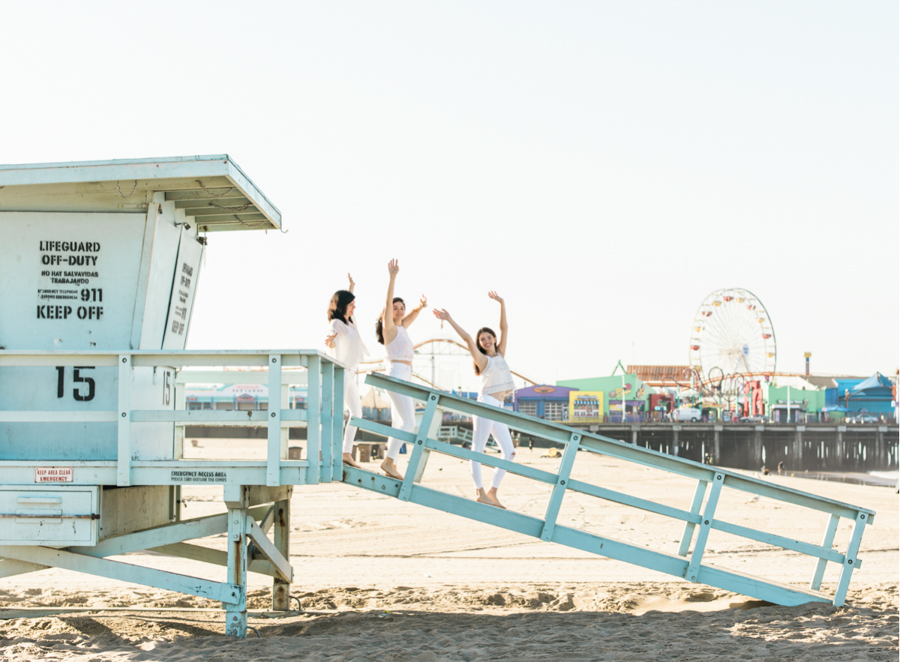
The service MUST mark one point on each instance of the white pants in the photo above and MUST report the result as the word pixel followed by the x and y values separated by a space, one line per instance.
pixel 403 410
pixel 352 405
pixel 483 429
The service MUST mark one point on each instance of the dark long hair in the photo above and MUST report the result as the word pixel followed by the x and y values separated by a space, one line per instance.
pixel 379 324
pixel 337 309
pixel 483 329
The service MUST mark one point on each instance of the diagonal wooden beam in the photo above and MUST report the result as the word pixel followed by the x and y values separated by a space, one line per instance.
pixel 267 547
pixel 126 572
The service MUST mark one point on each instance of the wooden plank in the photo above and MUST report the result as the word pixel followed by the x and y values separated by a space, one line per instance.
pixel 143 283
pixel 35 416
pixel 754 587
pixel 633 501
pixel 236 610
pixel 230 377
pixel 827 541
pixel 326 470
pixel 688 533
pixel 267 547
pixel 779 541
pixel 220 204
pixel 213 556
pixel 274 453
pixel 850 559
pixel 57 558
pixel 337 423
pixel 559 489
pixel 705 525
pixel 313 428
pixel 281 589
pixel 418 455
pixel 124 452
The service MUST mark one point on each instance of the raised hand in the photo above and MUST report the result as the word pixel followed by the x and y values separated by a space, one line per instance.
pixel 351 281
pixel 393 267
pixel 442 315
pixel 496 297
pixel 423 302
pixel 329 339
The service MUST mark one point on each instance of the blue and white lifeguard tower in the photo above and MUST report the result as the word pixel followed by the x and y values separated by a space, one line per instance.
pixel 99 267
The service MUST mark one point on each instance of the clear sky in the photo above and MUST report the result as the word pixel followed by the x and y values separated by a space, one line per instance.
pixel 603 165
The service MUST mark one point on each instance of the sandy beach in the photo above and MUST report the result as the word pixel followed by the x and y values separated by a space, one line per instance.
pixel 379 579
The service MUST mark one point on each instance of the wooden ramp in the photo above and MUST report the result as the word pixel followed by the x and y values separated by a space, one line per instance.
pixel 699 517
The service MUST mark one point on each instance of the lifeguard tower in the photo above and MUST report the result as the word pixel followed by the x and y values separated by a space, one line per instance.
pixel 99 266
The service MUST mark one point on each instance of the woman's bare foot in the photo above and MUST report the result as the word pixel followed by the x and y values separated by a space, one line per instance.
pixel 348 459
pixel 492 495
pixel 482 497
pixel 390 469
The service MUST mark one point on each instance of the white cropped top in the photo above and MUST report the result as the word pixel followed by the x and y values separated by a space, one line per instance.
pixel 348 345
pixel 496 377
pixel 401 347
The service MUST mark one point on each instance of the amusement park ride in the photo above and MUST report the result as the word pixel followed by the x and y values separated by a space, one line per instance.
pixel 732 351
pixel 99 265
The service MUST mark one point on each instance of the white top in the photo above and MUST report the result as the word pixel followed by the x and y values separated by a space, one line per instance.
pixel 496 377
pixel 401 347
pixel 348 345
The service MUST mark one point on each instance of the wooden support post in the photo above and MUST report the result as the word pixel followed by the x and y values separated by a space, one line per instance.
pixel 798 443
pixel 717 442
pixel 337 424
pixel 123 467
pixel 675 430
pixel 325 470
pixel 827 542
pixel 313 429
pixel 275 452
pixel 419 454
pixel 850 558
pixel 236 614
pixel 559 490
pixel 705 525
pixel 757 446
pixel 688 533
pixel 281 589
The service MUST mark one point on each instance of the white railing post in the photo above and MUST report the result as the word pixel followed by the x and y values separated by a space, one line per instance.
pixel 274 450
pixel 325 471
pixel 123 465
pixel 313 431
pixel 337 424
pixel 709 513
pixel 180 405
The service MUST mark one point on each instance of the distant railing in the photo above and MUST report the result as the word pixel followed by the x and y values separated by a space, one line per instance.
pixel 453 433
pixel 700 516
pixel 325 379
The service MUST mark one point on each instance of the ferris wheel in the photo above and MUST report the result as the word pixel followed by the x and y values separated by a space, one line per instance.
pixel 732 334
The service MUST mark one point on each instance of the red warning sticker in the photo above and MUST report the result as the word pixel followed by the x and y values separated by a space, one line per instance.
pixel 53 474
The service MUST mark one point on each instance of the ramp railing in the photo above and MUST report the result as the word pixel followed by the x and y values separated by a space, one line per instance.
pixel 699 517
pixel 324 378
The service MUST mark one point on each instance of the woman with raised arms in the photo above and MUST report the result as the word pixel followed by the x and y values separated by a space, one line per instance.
pixel 488 352
pixel 390 330
pixel 348 348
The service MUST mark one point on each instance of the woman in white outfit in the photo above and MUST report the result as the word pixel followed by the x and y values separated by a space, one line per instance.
pixel 348 348
pixel 488 353
pixel 390 330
